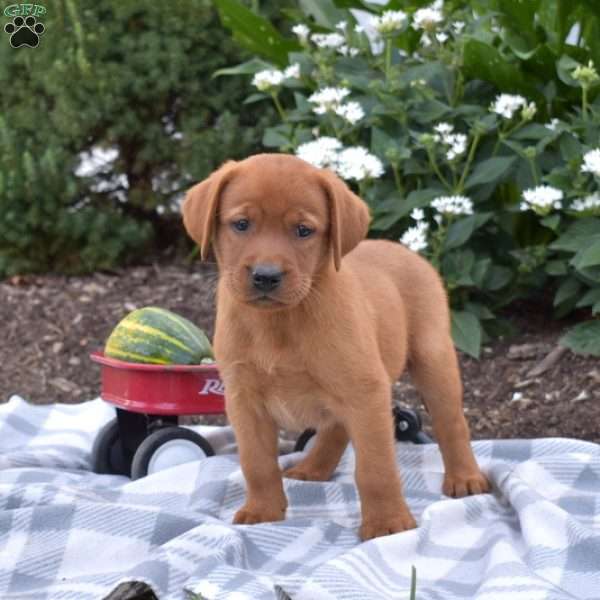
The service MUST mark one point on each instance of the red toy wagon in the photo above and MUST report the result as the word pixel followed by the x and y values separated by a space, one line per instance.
pixel 145 436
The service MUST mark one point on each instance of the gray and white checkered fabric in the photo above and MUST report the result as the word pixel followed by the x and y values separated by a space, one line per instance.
pixel 67 533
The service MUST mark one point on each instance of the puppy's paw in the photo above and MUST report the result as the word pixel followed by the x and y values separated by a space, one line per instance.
pixel 377 526
pixel 459 485
pixel 264 514
pixel 306 473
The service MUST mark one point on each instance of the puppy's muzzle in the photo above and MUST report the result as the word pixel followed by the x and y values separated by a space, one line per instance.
pixel 266 277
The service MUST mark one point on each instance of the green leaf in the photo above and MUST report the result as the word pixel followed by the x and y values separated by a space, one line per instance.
pixel 590 298
pixel 581 234
pixel 587 257
pixel 254 32
pixel 246 68
pixel 564 68
pixel 255 98
pixel 567 291
pixel 556 268
pixel 551 222
pixel 396 207
pixel 583 338
pixel 492 169
pixel 461 231
pixel 466 332
pixel 324 12
pixel 482 61
pixel 497 277
pixel 277 137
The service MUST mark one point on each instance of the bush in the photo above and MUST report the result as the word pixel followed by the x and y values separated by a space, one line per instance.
pixel 126 86
pixel 472 134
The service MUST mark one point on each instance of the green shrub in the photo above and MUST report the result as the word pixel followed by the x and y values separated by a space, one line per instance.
pixel 126 80
pixel 472 135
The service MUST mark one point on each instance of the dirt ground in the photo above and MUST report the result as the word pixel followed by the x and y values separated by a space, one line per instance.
pixel 50 324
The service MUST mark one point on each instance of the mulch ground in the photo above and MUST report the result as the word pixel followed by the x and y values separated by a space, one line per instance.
pixel 523 387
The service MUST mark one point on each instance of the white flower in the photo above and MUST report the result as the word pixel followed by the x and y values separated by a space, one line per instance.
pixel 458 145
pixel 390 20
pixel 359 29
pixel 351 112
pixel 428 18
pixel 292 71
pixel 425 40
pixel 348 51
pixel 442 37
pixel 588 204
pixel 591 162
pixel 321 152
pixel 328 99
pixel 453 205
pixel 302 31
pixel 553 124
pixel 328 40
pixel 458 26
pixel 507 104
pixel 267 79
pixel 542 199
pixel 341 25
pixel 457 142
pixel 444 128
pixel 417 214
pixel 358 163
pixel 416 237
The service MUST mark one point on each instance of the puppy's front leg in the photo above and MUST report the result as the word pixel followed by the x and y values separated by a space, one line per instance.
pixel 256 435
pixel 369 424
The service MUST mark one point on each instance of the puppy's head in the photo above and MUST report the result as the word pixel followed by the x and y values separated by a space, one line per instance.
pixel 275 223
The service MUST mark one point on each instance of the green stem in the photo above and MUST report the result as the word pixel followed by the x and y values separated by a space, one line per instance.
pixel 388 57
pixel 437 171
pixel 470 158
pixel 536 178
pixel 278 106
pixel 584 102
pixel 397 179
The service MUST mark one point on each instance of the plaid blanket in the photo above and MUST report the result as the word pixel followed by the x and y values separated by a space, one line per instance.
pixel 67 533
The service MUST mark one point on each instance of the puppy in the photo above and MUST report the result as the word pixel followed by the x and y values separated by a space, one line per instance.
pixel 313 326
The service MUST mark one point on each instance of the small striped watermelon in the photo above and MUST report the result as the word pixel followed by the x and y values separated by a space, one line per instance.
pixel 159 336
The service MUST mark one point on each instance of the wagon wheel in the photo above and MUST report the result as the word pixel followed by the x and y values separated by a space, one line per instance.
pixel 107 451
pixel 303 440
pixel 407 426
pixel 168 447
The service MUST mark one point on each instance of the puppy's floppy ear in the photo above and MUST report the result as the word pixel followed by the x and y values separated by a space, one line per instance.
pixel 348 215
pixel 200 207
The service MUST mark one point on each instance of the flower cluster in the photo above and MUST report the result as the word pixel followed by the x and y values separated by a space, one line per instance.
pixel 590 204
pixel 542 199
pixel 269 79
pixel 353 163
pixel 302 31
pixel 591 162
pixel 331 99
pixel 456 142
pixel 506 105
pixel 428 18
pixel 415 237
pixel 453 205
pixel 389 21
pixel 328 40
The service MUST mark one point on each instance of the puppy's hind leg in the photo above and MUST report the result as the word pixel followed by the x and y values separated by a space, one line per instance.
pixel 434 368
pixel 322 459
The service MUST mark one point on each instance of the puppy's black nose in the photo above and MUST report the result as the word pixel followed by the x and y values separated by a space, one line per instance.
pixel 266 277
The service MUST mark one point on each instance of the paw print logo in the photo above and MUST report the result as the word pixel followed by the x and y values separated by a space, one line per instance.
pixel 24 32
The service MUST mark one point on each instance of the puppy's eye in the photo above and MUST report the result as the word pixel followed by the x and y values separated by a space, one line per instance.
pixel 303 231
pixel 241 224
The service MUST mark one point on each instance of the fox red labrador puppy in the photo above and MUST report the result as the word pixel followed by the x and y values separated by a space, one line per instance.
pixel 314 325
